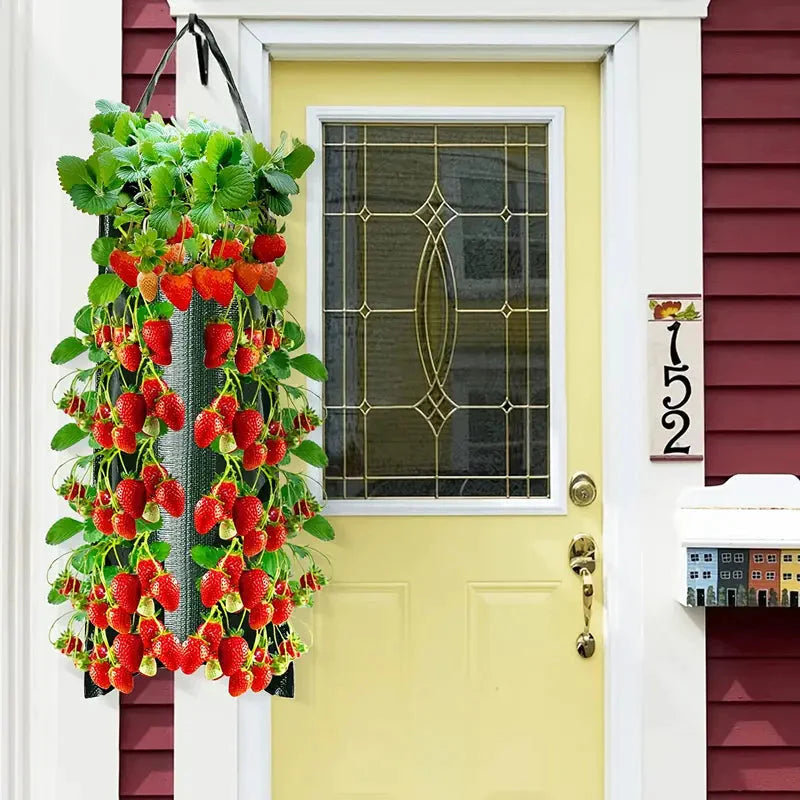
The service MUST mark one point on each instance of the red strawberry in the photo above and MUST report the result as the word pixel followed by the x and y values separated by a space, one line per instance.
pixel 147 282
pixel 128 649
pixel 240 681
pixel 276 536
pixel 207 426
pixel 276 429
pixel 255 336
pixel 247 425
pixel 247 358
pixel 132 496
pixel 211 631
pixel 174 254
pixel 71 586
pixel 218 338
pixel 171 497
pixel 227 492
pixel 283 609
pixel 310 581
pixel 97 614
pixel 253 457
pixel 272 338
pixel 102 335
pixel 152 389
pixel 303 509
pixel 254 543
pixel 185 231
pixel 201 280
pixel 221 283
pixel 103 498
pixel 72 404
pixel 124 439
pixel 226 248
pixel 132 409
pixel 247 511
pixel 177 289
pixel 276 452
pixel 125 265
pixel 227 405
pixel 195 653
pixel 167 649
pixel 121 679
pixel 233 653
pixel 232 565
pixel 149 628
pixel 269 246
pixel 119 620
pixel 126 591
pixel 260 616
pixel 246 274
pixel 157 335
pixel 103 519
pixel 289 647
pixel 124 526
pixel 253 587
pixel 98 672
pixel 98 592
pixel 170 408
pixel 152 474
pixel 165 589
pixel 207 513
pixel 121 333
pixel 72 490
pixel 304 422
pixel 146 570
pixel 262 675
pixel 214 585
pixel 130 356
pixel 268 276
pixel 102 430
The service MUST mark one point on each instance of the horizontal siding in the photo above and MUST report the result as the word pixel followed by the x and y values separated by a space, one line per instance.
pixel 751 142
pixel 751 187
pixel 753 16
pixel 752 364
pixel 751 53
pixel 751 408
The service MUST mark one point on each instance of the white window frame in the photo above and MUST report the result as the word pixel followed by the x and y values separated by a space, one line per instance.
pixel 316 117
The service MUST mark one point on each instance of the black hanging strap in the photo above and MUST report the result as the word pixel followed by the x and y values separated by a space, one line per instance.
pixel 205 41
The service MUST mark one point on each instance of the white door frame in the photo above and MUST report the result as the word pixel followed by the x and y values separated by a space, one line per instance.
pixel 652 172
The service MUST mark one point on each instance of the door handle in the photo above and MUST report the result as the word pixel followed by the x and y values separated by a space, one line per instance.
pixel 582 561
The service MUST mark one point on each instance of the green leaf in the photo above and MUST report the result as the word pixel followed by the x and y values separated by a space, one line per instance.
pixel 161 309
pixel 63 529
pixel 207 556
pixel 169 151
pixel 311 453
pixel 293 490
pixel 55 598
pixel 71 172
pixel 165 218
pixel 105 289
pixel 110 107
pixel 320 528
pixel 93 201
pixel 143 525
pixel 123 126
pixel 234 186
pixel 85 558
pixel 281 182
pixel 160 550
pixel 311 366
pixel 269 563
pixel 293 336
pixel 279 204
pixel 83 319
pixel 97 355
pixel 218 144
pixel 278 364
pixel 66 436
pixel 93 536
pixel 204 179
pixel 110 572
pixel 102 249
pixel 300 551
pixel 67 349
pixel 102 141
pixel 258 154
pixel 207 216
pixel 299 160
pixel 277 297
pixel 163 181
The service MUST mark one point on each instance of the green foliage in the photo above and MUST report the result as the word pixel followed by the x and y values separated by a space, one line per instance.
pixel 63 530
pixel 276 298
pixel 319 527
pixel 310 366
pixel 66 436
pixel 207 556
pixel 105 289
pixel 311 453
pixel 67 349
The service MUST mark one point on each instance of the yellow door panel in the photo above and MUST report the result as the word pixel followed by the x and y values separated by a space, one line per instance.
pixel 444 662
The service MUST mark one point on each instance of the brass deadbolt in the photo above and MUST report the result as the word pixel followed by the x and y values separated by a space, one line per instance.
pixel 582 489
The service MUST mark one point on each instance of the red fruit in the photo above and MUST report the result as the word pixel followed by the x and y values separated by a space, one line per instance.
pixel 152 474
pixel 98 672
pixel 132 410
pixel 69 645
pixel 247 274
pixel 247 512
pixel 124 526
pixel 121 333
pixel 171 497
pixel 212 633
pixel 276 452
pixel 254 543
pixel 281 588
pixel 207 513
pixel 253 457
pixel 130 356
pixel 103 519
pixel 303 508
pixel 253 587
pixel 175 254
pixel 102 430
pixel 283 609
pixel 276 536
pixel 72 490
pixel 195 653
pixel 152 389
pixel 128 649
pixel 98 592
pixel 201 280
pixel 97 614
pixel 125 265
pixel 269 246
pixel 71 586
pixel 272 338
pixel 121 679
pixel 268 276
pixel 227 492
pixel 220 282
pixel 260 616
pixel 262 675
pixel 119 620
pixel 74 405
pixel 157 335
pixel 227 405
pixel 146 570
pixel 276 429
pixel 177 289
pixel 207 426
pixel 247 358
pixel 165 589
pixel 226 248
pixel 103 498
pixel 126 591
pixel 167 649
pixel 149 628
pixel 240 681
pixel 132 496
pixel 309 581
pixel 255 336
pixel 185 231
pixel 170 408
pixel 102 335
pixel 232 565
pixel 275 514
pixel 247 425
pixel 214 585
pixel 305 422
pixel 233 653
pixel 289 648
pixel 218 338
pixel 124 439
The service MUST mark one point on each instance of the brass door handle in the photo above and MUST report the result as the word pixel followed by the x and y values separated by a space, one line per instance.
pixel 582 561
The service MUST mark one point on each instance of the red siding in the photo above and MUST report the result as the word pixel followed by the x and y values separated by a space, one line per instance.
pixel 146 723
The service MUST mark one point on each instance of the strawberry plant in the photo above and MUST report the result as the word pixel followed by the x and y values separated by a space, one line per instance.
pixel 190 216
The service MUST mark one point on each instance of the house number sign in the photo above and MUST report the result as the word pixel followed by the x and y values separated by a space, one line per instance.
pixel 675 377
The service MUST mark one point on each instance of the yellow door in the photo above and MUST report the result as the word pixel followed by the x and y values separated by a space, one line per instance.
pixel 444 662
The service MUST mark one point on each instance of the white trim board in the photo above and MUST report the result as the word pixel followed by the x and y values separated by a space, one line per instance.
pixel 554 118
pixel 654 650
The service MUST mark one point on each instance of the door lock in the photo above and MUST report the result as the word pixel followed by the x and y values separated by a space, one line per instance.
pixel 582 489
pixel 582 561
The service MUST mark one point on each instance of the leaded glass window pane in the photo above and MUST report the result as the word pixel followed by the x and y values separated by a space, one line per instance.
pixel 436 310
